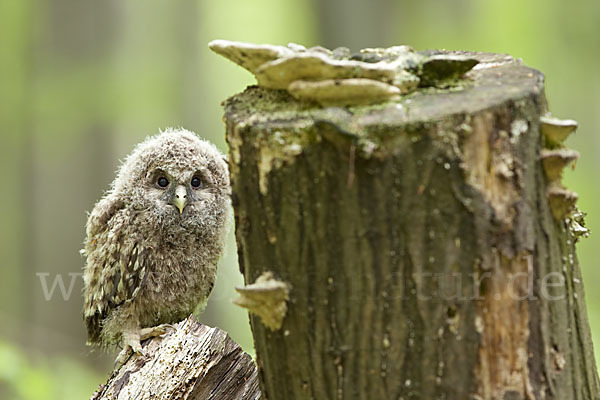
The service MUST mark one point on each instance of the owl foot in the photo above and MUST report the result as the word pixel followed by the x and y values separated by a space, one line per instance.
pixel 131 344
pixel 123 356
pixel 159 330
pixel 132 339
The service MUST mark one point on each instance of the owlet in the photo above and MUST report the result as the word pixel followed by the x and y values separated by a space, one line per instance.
pixel 154 240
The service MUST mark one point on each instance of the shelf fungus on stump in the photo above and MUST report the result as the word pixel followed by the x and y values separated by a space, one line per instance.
pixel 556 157
pixel 339 77
pixel 556 130
pixel 556 160
pixel 267 297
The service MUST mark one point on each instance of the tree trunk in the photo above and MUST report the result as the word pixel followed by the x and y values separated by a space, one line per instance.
pixel 418 243
pixel 194 362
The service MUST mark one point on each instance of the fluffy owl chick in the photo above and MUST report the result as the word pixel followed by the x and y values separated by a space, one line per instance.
pixel 154 240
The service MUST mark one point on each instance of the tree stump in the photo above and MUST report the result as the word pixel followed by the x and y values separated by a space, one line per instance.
pixel 194 362
pixel 428 251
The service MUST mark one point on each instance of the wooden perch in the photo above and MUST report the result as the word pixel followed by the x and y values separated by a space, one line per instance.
pixel 192 362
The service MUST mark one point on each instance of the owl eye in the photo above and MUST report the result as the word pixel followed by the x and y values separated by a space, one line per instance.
pixel 196 182
pixel 162 182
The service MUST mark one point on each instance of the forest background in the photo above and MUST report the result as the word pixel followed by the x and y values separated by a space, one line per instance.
pixel 83 81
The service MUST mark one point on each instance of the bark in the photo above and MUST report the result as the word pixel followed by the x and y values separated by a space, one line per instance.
pixel 192 362
pixel 417 241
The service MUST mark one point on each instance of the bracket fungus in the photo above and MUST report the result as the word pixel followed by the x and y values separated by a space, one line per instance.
pixel 440 68
pixel 338 77
pixel 562 201
pixel 556 157
pixel 343 91
pixel 556 130
pixel 556 160
pixel 267 297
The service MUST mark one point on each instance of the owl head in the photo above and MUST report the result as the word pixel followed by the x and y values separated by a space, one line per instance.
pixel 175 177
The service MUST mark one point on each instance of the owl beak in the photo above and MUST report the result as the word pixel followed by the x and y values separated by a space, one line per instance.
pixel 180 199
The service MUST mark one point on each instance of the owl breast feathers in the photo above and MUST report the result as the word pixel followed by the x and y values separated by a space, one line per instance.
pixel 154 240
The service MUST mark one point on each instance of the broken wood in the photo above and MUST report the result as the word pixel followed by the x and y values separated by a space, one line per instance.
pixel 192 362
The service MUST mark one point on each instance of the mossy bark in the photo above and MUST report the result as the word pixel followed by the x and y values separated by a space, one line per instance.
pixel 416 236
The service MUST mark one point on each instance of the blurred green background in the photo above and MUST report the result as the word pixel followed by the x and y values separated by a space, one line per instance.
pixel 82 81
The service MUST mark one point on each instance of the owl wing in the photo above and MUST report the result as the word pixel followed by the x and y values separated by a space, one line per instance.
pixel 115 266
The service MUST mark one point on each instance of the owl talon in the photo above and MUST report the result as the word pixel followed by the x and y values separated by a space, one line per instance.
pixel 123 356
pixel 127 352
pixel 138 350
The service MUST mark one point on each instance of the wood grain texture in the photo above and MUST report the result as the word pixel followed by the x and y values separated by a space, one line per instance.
pixel 194 362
